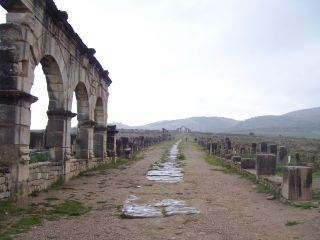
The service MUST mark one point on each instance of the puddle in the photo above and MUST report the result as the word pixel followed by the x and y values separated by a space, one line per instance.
pixel 168 171
pixel 164 208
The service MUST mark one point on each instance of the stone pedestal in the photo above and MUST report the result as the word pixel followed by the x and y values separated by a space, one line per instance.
pixel 266 164
pixel 297 183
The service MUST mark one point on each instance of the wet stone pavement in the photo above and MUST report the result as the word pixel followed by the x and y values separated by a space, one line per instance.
pixel 167 171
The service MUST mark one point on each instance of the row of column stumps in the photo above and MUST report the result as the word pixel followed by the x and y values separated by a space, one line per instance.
pixel 296 181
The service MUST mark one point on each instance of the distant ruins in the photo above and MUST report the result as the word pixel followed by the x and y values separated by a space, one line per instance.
pixel 36 32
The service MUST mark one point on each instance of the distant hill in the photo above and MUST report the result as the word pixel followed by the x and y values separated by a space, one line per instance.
pixel 302 123
pixel 199 124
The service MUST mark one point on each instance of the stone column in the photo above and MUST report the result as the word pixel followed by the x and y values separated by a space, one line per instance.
pixel 58 135
pixel 15 118
pixel 99 142
pixel 297 183
pixel 253 148
pixel 84 141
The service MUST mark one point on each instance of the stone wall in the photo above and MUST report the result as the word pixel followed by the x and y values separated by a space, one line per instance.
pixel 5 182
pixel 43 175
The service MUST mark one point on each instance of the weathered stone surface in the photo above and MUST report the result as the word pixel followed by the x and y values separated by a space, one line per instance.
pixel 273 149
pixel 236 158
pixel 297 183
pixel 263 147
pixel 248 163
pixel 283 152
pixel 266 164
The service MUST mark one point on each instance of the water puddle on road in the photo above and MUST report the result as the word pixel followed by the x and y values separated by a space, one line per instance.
pixel 164 208
pixel 168 171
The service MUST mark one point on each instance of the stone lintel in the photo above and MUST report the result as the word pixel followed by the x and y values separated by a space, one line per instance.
pixel 61 112
pixel 13 96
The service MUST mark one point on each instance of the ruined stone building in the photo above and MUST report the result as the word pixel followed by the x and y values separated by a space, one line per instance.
pixel 36 32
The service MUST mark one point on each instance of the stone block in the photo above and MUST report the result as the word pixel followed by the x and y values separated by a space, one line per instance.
pixel 248 163
pixel 236 158
pixel 297 183
pixel 4 195
pixel 266 164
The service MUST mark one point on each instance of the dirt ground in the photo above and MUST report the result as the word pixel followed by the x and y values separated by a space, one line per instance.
pixel 230 207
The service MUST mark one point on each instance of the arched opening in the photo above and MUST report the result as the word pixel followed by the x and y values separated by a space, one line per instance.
pixel 39 118
pixel 99 139
pixel 49 113
pixel 3 13
pixel 81 143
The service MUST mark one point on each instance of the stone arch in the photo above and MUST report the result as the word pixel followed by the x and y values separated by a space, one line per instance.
pixel 36 31
pixel 55 86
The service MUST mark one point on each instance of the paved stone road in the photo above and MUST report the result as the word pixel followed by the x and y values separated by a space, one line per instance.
pixel 230 208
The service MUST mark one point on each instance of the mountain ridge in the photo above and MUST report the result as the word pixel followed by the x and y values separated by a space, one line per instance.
pixel 299 123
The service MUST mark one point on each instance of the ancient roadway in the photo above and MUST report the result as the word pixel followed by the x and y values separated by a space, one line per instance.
pixel 229 206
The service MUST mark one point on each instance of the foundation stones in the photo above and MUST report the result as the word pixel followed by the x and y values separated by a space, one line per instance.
pixel 297 183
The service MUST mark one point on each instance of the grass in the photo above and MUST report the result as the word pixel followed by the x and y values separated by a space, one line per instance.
pixel 22 219
pixel 292 223
pixel 36 157
pixel 316 174
pixel 71 208
pixel 214 160
pixel 305 205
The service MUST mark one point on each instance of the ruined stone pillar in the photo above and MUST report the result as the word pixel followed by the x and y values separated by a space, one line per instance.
pixel 297 183
pixel 266 164
pixel 282 153
pixel 263 147
pixel 84 141
pixel 58 138
pixel 253 148
pixel 99 142
pixel 273 149
pixel 15 118
pixel 15 101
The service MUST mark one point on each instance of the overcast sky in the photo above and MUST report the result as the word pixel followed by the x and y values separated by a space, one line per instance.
pixel 174 59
